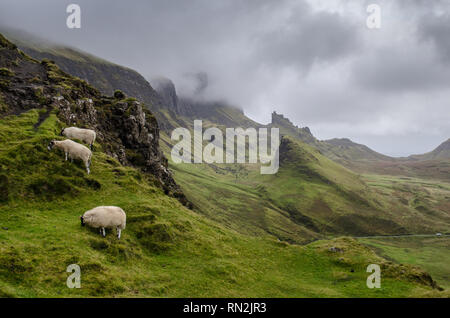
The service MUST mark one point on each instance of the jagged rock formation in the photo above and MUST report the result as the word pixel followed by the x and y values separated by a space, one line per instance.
pixel 173 111
pixel 184 110
pixel 288 128
pixel 166 90
pixel 171 101
pixel 125 129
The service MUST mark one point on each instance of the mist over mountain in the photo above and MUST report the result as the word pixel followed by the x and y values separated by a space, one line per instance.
pixel 163 95
pixel 316 61
pixel 226 225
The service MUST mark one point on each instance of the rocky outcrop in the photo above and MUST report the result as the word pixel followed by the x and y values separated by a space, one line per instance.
pixel 166 89
pixel 279 119
pixel 126 130
pixel 288 128
pixel 178 106
pixel 103 75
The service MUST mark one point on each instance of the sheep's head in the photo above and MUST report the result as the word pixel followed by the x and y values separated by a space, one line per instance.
pixel 62 132
pixel 51 145
pixel 82 221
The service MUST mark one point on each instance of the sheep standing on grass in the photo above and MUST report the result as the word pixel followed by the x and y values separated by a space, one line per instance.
pixel 85 135
pixel 105 217
pixel 73 150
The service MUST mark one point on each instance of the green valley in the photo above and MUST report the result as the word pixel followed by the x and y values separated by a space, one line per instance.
pixel 197 230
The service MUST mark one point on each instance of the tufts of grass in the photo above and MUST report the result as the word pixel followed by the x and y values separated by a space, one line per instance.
pixel 6 72
pixel 166 249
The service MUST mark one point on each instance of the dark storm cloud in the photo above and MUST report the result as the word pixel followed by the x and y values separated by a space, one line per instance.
pixel 313 60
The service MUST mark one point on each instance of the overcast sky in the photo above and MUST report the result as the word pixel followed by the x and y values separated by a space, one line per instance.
pixel 314 61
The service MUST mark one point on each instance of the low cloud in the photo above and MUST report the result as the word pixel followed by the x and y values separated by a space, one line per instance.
pixel 313 60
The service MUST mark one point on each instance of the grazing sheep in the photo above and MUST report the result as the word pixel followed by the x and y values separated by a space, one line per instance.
pixel 105 217
pixel 85 135
pixel 73 150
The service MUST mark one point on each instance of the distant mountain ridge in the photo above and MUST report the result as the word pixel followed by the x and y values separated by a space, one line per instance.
pixel 340 150
pixel 441 152
pixel 103 75
pixel 173 111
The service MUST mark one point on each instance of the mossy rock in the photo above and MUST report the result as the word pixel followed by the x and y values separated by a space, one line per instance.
pixel 4 84
pixel 118 94
pixel 6 44
pixel 136 158
pixel 6 72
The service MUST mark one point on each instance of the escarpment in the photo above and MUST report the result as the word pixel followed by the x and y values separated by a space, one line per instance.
pixel 125 130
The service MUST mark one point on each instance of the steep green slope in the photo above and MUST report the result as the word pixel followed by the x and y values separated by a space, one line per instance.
pixel 309 197
pixel 341 150
pixel 41 235
pixel 424 200
pixel 181 112
pixel 166 249
pixel 172 111
pixel 103 75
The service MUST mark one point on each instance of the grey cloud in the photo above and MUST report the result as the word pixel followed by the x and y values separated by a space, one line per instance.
pixel 398 69
pixel 436 29
pixel 307 38
pixel 320 66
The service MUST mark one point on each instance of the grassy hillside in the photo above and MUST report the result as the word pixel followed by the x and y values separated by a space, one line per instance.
pixel 107 77
pixel 166 249
pixel 428 252
pixel 310 197
pixel 419 197
pixel 229 244
pixel 426 169
pixel 441 152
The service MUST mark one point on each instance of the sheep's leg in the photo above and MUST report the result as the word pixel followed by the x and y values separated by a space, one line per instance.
pixel 118 233
pixel 66 155
pixel 88 164
pixel 103 232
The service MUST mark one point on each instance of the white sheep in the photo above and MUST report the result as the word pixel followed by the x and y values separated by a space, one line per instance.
pixel 85 135
pixel 105 217
pixel 73 150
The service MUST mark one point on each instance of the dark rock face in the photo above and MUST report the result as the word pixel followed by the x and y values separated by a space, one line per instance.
pixel 126 130
pixel 279 119
pixel 166 89
pixel 179 106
